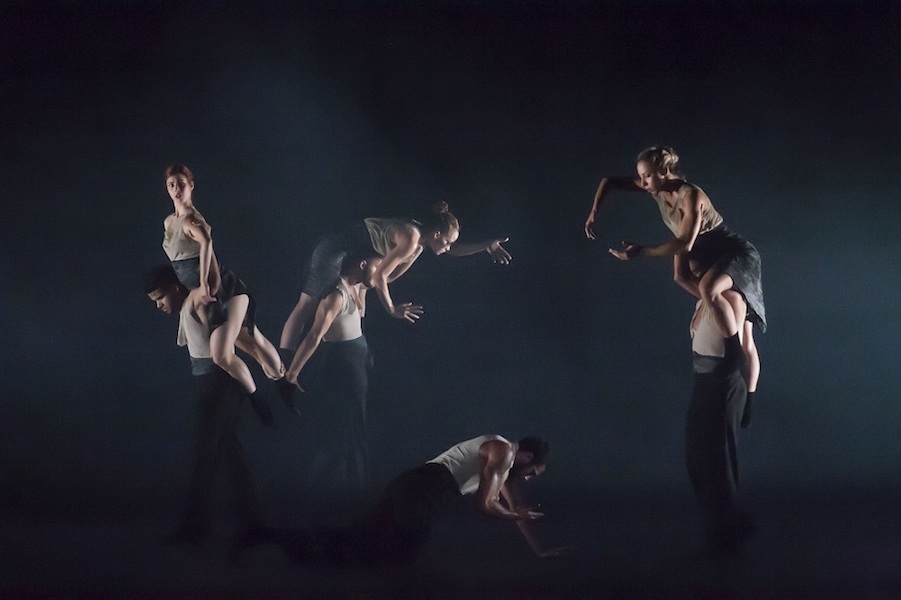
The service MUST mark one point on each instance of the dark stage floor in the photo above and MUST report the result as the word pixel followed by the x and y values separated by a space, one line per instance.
pixel 822 543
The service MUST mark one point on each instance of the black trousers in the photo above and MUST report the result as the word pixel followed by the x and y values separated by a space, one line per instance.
pixel 218 446
pixel 711 435
pixel 337 423
pixel 394 531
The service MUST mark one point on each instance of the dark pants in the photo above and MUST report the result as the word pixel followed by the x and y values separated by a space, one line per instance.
pixel 394 531
pixel 218 444
pixel 337 424
pixel 711 434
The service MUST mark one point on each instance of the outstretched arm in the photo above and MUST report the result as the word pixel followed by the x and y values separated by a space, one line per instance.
pixel 493 247
pixel 689 228
pixel 607 184
pixel 326 312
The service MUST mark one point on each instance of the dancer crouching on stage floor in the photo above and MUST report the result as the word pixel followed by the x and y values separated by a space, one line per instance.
pixel 399 526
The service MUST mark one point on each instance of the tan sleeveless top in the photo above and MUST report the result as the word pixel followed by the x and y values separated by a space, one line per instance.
pixel 381 232
pixel 672 215
pixel 176 244
pixel 464 462
pixel 193 334
pixel 706 337
pixel 348 324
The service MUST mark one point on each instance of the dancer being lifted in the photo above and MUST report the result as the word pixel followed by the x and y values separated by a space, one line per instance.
pixel 726 260
pixel 229 308
pixel 399 242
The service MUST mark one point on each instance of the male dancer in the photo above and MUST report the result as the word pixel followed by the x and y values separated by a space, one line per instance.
pixel 714 419
pixel 338 411
pixel 400 525
pixel 221 398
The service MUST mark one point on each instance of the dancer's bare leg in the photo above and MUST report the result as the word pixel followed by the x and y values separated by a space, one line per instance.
pixel 222 344
pixel 751 370
pixel 711 288
pixel 262 350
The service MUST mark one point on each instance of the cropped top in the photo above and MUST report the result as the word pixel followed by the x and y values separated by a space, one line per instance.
pixel 348 324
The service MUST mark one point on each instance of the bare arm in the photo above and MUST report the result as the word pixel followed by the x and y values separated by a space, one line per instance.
pixel 497 460
pixel 493 247
pixel 689 228
pixel 607 184
pixel 326 312
pixel 198 230
pixel 683 276
pixel 392 266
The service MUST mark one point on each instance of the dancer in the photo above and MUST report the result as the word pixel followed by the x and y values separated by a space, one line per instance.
pixel 714 416
pixel 220 401
pixel 399 242
pixel 728 261
pixel 229 308
pixel 339 394
pixel 400 525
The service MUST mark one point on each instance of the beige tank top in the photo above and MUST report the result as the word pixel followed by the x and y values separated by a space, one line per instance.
pixel 706 337
pixel 348 325
pixel 464 462
pixel 193 334
pixel 382 231
pixel 672 215
pixel 176 244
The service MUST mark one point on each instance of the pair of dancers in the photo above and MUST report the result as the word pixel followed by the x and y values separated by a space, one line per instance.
pixel 230 309
pixel 722 270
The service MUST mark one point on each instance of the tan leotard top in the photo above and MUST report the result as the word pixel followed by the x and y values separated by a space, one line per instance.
pixel 382 231
pixel 672 215
pixel 176 244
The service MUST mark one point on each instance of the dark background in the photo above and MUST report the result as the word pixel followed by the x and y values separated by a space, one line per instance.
pixel 297 120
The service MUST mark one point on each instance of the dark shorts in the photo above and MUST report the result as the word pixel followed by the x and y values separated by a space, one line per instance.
pixel 324 266
pixel 188 272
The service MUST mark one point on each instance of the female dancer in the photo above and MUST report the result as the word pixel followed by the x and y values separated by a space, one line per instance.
pixel 728 261
pixel 399 242
pixel 230 309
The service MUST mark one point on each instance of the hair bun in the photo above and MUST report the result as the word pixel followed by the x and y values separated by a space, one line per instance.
pixel 441 208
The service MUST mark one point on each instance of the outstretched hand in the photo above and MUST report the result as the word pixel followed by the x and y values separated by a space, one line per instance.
pixel 407 311
pixel 498 254
pixel 628 252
